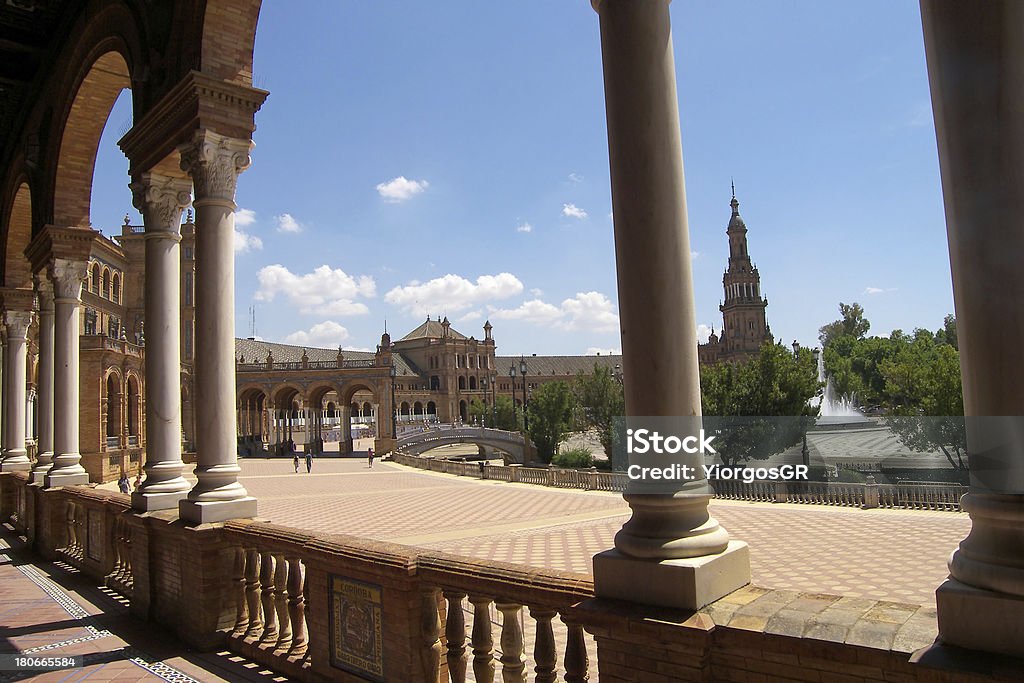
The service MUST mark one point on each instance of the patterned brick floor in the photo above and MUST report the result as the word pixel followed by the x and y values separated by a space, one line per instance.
pixel 882 554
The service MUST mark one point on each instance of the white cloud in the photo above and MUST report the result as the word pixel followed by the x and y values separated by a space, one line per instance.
pixel 587 311
pixel 401 188
pixel 694 255
pixel 573 211
pixel 596 351
pixel 327 334
pixel 703 332
pixel 453 292
pixel 575 177
pixel 470 317
pixel 537 293
pixel 287 223
pixel 524 227
pixel 879 290
pixel 244 217
pixel 245 242
pixel 325 291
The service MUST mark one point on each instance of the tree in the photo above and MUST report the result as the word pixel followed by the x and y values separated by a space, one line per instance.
pixel 480 412
pixel 600 400
pixel 506 415
pixel 947 335
pixel 550 412
pixel 775 384
pixel 851 324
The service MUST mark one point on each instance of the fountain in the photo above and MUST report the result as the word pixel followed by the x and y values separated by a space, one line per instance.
pixel 836 412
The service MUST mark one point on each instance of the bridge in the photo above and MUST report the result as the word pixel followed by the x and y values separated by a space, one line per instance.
pixel 514 444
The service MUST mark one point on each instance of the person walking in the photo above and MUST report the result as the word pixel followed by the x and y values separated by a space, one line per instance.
pixel 123 485
pixel 295 461
pixel 138 480
pixel 309 462
pixel 369 455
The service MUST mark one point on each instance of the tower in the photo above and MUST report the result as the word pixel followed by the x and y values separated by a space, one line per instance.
pixel 745 326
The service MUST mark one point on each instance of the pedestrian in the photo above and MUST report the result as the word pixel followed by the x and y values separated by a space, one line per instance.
pixel 138 480
pixel 369 454
pixel 309 462
pixel 295 461
pixel 123 484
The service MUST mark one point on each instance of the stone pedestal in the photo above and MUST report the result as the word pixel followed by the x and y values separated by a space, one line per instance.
pixel 980 619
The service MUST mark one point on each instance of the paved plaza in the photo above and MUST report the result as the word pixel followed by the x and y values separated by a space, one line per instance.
pixel 897 555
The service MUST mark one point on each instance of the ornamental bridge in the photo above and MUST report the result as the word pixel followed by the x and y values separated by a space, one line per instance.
pixel 513 444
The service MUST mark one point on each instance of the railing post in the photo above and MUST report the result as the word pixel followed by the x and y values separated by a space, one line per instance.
pixel 284 636
pixel 576 661
pixel 482 640
pixel 455 634
pixel 513 668
pixel 297 607
pixel 252 592
pixel 544 646
pixel 870 494
pixel 430 630
pixel 238 581
pixel 267 599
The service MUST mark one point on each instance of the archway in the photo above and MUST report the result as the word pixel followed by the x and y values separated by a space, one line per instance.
pixel 134 411
pixel 113 404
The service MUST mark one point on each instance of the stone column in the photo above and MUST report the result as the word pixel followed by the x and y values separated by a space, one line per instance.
pixel 671 552
pixel 45 388
pixel 15 454
pixel 214 162
pixel 161 200
pixel 975 56
pixel 67 276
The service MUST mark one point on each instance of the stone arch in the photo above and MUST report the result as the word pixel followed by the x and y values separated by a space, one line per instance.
pixel 17 234
pixel 94 278
pixel 112 402
pixel 404 410
pixel 115 288
pixel 463 410
pixel 94 96
pixel 417 408
pixel 431 408
pixel 229 34
pixel 134 389
pixel 105 283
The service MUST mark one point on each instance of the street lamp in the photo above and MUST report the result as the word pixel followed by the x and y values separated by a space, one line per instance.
pixel 512 376
pixel 483 418
pixel 617 374
pixel 494 405
pixel 394 408
pixel 522 371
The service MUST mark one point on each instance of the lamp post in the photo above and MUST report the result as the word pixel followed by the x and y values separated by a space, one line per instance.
pixel 512 376
pixel 522 371
pixel 483 417
pixel 494 405
pixel 394 408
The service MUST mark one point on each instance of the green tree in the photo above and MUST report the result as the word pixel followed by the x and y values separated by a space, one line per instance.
pixel 550 412
pixel 947 335
pixel 480 412
pixel 600 400
pixel 774 384
pixel 506 415
pixel 851 324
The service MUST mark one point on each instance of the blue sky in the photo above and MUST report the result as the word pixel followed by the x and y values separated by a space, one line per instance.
pixel 451 159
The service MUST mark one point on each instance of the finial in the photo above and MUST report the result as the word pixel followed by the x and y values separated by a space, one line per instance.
pixel 733 182
pixel 385 325
pixel 127 220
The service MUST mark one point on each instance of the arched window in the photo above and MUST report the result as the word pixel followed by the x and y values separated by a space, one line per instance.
pixel 367 409
pixel 133 406
pixel 462 382
pixel 435 383
pixel 405 408
pixel 105 284
pixel 113 406
pixel 94 285
pixel 472 383
pixel 431 408
pixel 115 292
pixel 417 408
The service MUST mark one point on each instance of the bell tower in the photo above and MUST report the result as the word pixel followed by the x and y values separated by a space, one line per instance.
pixel 743 309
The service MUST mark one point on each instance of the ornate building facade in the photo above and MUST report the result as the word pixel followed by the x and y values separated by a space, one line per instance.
pixel 744 321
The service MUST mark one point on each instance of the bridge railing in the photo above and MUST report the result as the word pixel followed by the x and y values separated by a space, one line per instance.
pixel 915 496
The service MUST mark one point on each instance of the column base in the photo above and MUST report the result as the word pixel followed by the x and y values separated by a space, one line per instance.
pixel 689 583
pixel 148 502
pixel 39 476
pixel 16 466
pixel 54 480
pixel 978 619
pixel 195 512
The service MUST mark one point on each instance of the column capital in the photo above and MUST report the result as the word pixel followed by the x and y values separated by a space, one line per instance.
pixel 44 293
pixel 161 200
pixel 68 276
pixel 214 161
pixel 17 324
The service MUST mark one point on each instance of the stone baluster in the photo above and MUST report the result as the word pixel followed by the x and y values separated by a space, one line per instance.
pixel 544 653
pixel 69 523
pixel 576 661
pixel 513 668
pixel 238 586
pixel 483 641
pixel 455 634
pixel 284 635
pixel 269 588
pixel 252 592
pixel 297 607
pixel 430 630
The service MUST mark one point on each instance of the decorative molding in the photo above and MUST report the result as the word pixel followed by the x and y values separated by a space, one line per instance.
pixel 161 200
pixel 214 162
pixel 68 277
pixel 17 324
pixel 17 299
pixel 53 242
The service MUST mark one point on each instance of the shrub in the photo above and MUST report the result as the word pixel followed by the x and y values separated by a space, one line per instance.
pixel 574 457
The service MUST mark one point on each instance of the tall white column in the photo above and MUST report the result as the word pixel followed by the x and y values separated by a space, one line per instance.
pixel 671 552
pixel 161 201
pixel 214 162
pixel 67 277
pixel 975 55
pixel 15 454
pixel 45 386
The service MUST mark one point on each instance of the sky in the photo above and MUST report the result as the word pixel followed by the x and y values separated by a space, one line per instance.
pixel 451 159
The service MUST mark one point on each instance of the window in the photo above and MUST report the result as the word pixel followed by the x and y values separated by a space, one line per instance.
pixel 188 288
pixel 115 292
pixel 113 328
pixel 188 253
pixel 90 321
pixel 188 341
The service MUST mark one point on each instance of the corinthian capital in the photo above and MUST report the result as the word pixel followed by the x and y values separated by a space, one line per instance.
pixel 68 276
pixel 44 293
pixel 161 200
pixel 17 323
pixel 214 162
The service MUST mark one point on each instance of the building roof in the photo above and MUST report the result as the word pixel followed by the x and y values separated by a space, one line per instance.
pixel 433 329
pixel 566 366
pixel 255 351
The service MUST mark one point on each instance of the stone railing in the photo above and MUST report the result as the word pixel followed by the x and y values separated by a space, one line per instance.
pixel 917 496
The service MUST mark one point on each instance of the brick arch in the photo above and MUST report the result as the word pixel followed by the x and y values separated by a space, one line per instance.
pixel 106 77
pixel 16 236
pixel 229 34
